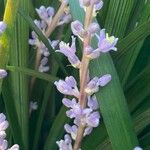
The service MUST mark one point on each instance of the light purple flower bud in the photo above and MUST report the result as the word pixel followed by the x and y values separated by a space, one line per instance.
pixel 50 11
pixel 72 130
pixel 67 87
pixel 3 144
pixel 91 53
pixel 98 5
pixel 106 43
pixel 88 130
pixel 93 119
pixel 65 144
pixel 137 148
pixel 105 79
pixel 41 25
pixel 33 106
pixel 66 18
pixel 3 73
pixel 43 68
pixel 54 43
pixel 84 3
pixel 93 85
pixel 93 28
pixel 14 147
pixel 68 103
pixel 3 122
pixel 69 52
pixel 44 61
pixel 92 102
pixel 2 27
pixel 77 29
pixel 2 134
pixel 46 14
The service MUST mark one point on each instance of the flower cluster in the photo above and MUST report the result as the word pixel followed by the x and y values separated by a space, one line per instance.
pixel 47 15
pixel 85 115
pixel 3 142
pixel 2 27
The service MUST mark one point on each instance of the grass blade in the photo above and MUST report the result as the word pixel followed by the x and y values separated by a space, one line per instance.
pixel 34 73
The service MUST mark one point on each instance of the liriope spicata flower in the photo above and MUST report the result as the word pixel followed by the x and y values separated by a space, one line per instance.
pixel 49 20
pixel 3 142
pixel 83 106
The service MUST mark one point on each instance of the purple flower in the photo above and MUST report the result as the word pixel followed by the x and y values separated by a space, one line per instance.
pixel 98 4
pixel 75 107
pixel 77 29
pixel 87 118
pixel 2 27
pixel 3 73
pixel 3 144
pixel 69 52
pixel 67 87
pixel 72 130
pixel 14 147
pixel 33 106
pixel 65 144
pixel 3 122
pixel 92 102
pixel 92 120
pixel 93 85
pixel 93 28
pixel 43 67
pixel 137 148
pixel 41 25
pixel 65 18
pixel 91 53
pixel 106 43
pixel 46 14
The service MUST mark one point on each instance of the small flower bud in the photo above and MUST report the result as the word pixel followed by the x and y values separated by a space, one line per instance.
pixel 93 28
pixel 3 73
pixel 77 29
pixel 2 27
pixel 137 148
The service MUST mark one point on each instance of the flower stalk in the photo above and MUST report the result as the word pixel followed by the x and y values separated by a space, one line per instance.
pixel 84 74
pixel 83 108
pixel 52 23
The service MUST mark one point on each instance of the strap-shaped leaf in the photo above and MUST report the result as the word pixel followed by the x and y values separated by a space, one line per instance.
pixel 33 73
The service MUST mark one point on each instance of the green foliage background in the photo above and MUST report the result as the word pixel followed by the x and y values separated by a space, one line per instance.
pixel 124 104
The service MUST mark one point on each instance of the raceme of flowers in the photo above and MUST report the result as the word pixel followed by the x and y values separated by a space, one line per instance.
pixel 3 142
pixel 46 16
pixel 87 117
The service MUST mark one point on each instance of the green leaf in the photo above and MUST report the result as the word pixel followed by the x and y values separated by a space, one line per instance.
pixel 139 33
pixel 33 73
pixel 19 82
pixel 56 131
pixel 12 114
pixel 5 39
pixel 112 101
pixel 127 60
pixel 138 89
